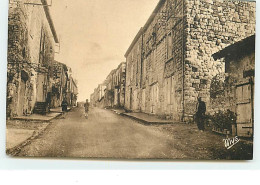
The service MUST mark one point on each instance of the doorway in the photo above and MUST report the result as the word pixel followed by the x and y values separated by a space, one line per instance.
pixel 245 108
pixel 131 98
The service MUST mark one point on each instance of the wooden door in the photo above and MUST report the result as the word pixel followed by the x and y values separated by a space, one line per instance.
pixel 41 94
pixel 244 109
pixel 154 98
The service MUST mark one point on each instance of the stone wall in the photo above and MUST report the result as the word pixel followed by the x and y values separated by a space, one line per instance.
pixel 133 75
pixel 160 63
pixel 163 59
pixel 212 25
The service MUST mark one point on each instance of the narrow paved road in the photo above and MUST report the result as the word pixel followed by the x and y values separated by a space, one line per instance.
pixel 104 134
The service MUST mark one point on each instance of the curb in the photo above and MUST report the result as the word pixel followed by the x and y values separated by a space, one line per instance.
pixel 117 112
pixel 146 122
pixel 36 119
pixel 17 149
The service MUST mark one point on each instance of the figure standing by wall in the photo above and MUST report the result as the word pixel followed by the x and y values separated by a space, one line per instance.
pixel 200 114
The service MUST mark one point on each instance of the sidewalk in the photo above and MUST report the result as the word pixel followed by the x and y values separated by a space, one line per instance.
pixel 39 117
pixel 55 112
pixel 118 111
pixel 59 109
pixel 147 119
pixel 20 130
pixel 143 117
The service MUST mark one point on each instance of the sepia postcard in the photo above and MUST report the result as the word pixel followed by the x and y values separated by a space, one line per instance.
pixel 131 79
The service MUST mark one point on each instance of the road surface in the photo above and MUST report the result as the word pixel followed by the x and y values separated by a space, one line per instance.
pixel 103 135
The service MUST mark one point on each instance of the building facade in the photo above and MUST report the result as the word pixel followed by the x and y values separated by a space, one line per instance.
pixel 109 90
pixel 119 85
pixel 59 83
pixel 169 64
pixel 97 97
pixel 31 47
pixel 72 92
pixel 111 93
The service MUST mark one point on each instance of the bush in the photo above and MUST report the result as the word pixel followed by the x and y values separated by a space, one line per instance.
pixel 224 119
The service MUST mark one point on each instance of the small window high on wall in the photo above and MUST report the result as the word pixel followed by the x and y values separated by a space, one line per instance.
pixel 169 46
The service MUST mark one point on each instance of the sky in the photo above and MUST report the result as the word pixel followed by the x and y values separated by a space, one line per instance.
pixel 95 34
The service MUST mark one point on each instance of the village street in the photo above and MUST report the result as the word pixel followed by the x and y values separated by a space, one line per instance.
pixel 103 134
pixel 108 135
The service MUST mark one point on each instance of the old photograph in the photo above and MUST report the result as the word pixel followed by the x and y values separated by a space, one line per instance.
pixel 131 79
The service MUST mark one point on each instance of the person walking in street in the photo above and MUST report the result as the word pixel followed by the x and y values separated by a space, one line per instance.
pixel 86 105
pixel 200 114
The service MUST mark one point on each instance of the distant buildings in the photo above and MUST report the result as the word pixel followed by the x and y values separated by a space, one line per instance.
pixel 119 79
pixel 97 97
pixel 35 82
pixel 111 93
pixel 72 90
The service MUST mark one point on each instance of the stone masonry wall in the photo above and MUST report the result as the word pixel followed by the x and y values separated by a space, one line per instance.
pixel 212 25
pixel 24 34
pixel 159 69
pixel 163 60
pixel 133 75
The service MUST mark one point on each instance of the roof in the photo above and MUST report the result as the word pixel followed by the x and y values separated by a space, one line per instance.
pixel 60 63
pixel 237 49
pixel 120 65
pixel 140 32
pixel 143 29
pixel 48 16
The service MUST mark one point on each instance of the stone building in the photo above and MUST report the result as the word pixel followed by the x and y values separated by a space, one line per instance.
pixel 59 83
pixel 111 93
pixel 119 85
pixel 72 92
pixel 31 47
pixel 97 97
pixel 234 91
pixel 109 90
pixel 169 63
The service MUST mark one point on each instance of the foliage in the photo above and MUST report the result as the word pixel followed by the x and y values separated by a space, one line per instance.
pixel 221 83
pixel 223 119
pixel 217 85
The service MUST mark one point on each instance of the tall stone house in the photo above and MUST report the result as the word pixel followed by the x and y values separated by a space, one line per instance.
pixel 31 47
pixel 119 86
pixel 72 91
pixel 59 83
pixel 109 90
pixel 169 63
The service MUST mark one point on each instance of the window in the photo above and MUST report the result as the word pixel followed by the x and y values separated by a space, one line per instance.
pixel 194 69
pixel 169 45
pixel 132 72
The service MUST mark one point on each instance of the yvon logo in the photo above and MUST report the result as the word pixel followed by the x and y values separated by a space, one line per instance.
pixel 230 142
